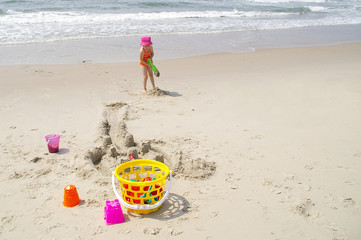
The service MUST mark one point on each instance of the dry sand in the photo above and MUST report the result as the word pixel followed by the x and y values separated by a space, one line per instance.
pixel 263 145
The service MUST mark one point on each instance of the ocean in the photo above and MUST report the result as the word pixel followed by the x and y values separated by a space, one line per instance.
pixel 115 24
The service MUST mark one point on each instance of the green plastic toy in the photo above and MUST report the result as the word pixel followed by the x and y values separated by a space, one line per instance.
pixel 154 68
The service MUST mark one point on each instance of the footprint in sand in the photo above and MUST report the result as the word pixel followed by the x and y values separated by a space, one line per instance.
pixel 175 232
pixel 258 137
pixel 152 231
pixel 304 208
pixel 232 180
pixel 99 230
pixel 51 228
pixel 15 175
pixel 348 202
pixel 214 214
pixel 7 223
pixel 308 167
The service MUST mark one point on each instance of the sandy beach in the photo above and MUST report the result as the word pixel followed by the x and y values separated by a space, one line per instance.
pixel 262 145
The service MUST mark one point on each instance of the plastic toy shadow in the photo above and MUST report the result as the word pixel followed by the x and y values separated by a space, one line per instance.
pixel 173 207
pixel 63 151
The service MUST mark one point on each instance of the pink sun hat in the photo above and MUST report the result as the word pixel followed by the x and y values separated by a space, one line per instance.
pixel 146 41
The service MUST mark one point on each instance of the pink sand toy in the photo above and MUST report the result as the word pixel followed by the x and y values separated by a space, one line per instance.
pixel 53 142
pixel 113 213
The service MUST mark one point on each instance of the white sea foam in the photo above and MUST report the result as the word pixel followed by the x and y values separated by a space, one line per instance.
pixel 83 17
pixel 317 8
pixel 24 23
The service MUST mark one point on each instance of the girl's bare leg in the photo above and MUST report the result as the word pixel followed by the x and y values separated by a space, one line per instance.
pixel 150 73
pixel 145 77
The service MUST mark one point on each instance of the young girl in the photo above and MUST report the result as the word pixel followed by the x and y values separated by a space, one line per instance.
pixel 146 52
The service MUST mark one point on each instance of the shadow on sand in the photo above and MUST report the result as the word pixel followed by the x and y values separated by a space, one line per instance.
pixel 173 207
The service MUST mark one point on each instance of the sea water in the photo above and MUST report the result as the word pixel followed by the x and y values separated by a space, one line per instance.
pixel 90 25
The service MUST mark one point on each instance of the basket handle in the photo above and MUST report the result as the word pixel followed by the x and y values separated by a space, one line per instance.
pixel 142 206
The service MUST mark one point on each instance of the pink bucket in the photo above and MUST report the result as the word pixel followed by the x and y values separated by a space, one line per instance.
pixel 53 142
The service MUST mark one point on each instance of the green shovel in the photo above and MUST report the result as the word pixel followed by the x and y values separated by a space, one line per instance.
pixel 155 70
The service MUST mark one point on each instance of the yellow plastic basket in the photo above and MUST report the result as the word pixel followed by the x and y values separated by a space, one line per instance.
pixel 142 183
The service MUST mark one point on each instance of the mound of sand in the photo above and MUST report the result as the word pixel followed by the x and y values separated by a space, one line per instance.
pixel 116 105
pixel 195 168
pixel 157 92
pixel 114 144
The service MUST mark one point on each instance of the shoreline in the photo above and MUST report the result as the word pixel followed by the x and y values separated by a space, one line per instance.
pixel 114 50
